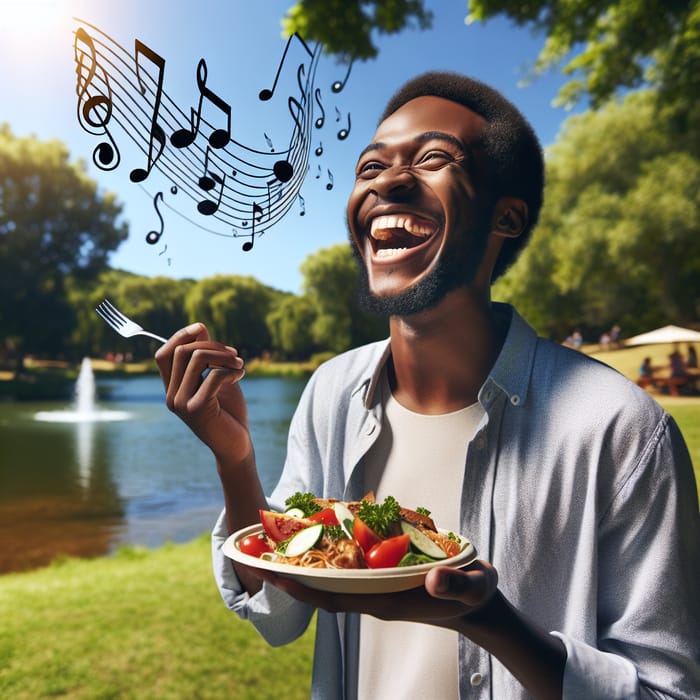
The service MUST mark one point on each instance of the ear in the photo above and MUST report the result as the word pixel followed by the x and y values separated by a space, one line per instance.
pixel 510 217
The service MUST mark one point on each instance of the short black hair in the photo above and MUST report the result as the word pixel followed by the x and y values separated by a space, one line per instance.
pixel 513 150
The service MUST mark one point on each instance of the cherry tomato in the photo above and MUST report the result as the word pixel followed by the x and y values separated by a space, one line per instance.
pixel 364 535
pixel 387 553
pixel 326 516
pixel 254 545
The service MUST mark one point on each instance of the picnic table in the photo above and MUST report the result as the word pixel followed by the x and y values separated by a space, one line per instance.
pixel 672 385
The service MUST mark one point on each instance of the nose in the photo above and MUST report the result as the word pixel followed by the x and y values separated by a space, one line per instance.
pixel 394 181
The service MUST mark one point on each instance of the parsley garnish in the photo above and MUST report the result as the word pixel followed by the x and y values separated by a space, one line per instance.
pixel 303 501
pixel 380 516
pixel 334 532
pixel 423 511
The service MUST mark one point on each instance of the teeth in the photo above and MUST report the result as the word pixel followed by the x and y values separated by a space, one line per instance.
pixel 382 226
pixel 389 252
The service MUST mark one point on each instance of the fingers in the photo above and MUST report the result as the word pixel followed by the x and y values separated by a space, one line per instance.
pixel 200 369
pixel 473 586
pixel 191 364
pixel 164 354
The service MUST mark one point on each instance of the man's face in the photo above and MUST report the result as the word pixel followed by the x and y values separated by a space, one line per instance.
pixel 414 217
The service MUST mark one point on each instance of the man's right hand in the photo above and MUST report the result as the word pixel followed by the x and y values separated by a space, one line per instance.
pixel 201 387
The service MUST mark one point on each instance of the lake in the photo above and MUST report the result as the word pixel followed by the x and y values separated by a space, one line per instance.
pixel 85 488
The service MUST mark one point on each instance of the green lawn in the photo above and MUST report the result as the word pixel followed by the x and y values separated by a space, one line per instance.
pixel 141 625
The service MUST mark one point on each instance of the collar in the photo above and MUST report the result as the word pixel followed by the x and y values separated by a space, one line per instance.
pixel 509 375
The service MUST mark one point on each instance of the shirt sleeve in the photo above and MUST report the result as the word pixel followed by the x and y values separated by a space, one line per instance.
pixel 648 607
pixel 278 618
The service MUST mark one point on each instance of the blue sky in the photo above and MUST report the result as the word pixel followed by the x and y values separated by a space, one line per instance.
pixel 241 43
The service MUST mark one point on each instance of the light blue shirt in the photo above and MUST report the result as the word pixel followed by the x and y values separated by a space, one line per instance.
pixel 578 487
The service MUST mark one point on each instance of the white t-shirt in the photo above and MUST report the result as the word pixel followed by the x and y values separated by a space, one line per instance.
pixel 414 459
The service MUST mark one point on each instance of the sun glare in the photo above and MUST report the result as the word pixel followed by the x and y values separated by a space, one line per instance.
pixel 29 17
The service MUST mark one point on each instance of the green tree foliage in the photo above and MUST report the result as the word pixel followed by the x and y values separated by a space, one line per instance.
pixel 330 283
pixel 235 309
pixel 53 223
pixel 610 44
pixel 290 323
pixel 345 27
pixel 619 236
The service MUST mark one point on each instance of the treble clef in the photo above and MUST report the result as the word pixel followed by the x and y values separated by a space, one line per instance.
pixel 94 111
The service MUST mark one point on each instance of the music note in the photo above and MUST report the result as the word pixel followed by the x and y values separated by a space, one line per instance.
pixel 266 94
pixel 318 172
pixel 337 114
pixel 269 142
pixel 320 120
pixel 153 237
pixel 156 135
pixel 319 149
pixel 257 209
pixel 218 138
pixel 338 85
pixel 96 110
pixel 343 133
pixel 208 181
pixel 283 170
pixel 302 205
pixel 329 186
pixel 162 252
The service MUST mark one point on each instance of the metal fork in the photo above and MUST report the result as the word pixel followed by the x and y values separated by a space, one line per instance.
pixel 121 323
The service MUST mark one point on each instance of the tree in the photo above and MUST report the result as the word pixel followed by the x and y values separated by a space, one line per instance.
pixel 345 28
pixel 330 283
pixel 235 309
pixel 53 223
pixel 290 323
pixel 619 236
pixel 625 44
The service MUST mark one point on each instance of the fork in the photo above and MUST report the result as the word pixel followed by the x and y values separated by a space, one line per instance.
pixel 111 315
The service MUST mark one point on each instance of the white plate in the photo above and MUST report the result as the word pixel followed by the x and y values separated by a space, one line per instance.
pixel 399 578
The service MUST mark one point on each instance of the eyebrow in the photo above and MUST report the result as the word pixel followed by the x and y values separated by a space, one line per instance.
pixel 421 138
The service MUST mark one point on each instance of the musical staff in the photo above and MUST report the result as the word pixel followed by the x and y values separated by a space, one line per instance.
pixel 197 152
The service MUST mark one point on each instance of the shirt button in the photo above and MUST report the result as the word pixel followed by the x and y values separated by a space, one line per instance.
pixel 515 399
pixel 475 679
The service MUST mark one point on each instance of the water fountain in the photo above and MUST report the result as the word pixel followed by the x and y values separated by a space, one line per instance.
pixel 85 409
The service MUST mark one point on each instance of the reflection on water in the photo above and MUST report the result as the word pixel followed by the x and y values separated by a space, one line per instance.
pixel 87 487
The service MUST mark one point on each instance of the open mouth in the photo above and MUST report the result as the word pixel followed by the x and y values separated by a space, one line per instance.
pixel 394 233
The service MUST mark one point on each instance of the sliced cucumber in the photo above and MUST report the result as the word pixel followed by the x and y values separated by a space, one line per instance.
pixel 295 512
pixel 422 542
pixel 303 540
pixel 345 517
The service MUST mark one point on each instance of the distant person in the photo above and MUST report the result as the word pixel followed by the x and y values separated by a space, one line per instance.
pixel 677 365
pixel 615 335
pixel 692 360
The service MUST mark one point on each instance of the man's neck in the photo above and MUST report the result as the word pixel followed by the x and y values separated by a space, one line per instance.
pixel 441 357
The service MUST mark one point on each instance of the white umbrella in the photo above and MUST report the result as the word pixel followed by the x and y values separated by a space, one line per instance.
pixel 667 334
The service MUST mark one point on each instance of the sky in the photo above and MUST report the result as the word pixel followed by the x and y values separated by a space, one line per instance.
pixel 242 47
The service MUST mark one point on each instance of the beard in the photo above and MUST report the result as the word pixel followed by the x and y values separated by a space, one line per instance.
pixel 455 268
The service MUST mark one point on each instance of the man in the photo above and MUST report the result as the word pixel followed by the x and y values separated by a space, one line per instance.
pixel 573 484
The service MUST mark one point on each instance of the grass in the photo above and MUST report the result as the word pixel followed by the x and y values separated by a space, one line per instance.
pixel 141 625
